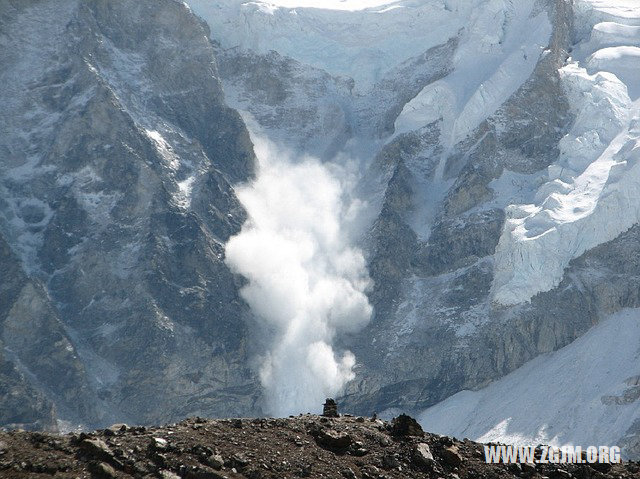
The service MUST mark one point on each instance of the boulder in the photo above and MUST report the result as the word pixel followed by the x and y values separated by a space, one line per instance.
pixel 422 455
pixel 333 440
pixel 451 456
pixel 404 425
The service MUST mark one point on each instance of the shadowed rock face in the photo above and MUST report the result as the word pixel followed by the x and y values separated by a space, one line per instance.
pixel 22 405
pixel 116 162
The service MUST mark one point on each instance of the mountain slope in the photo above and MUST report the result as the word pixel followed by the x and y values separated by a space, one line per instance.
pixel 118 153
pixel 494 153
pixel 585 393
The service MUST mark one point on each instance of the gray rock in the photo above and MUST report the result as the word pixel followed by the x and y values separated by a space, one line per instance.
pixel 422 455
pixel 451 456
pixel 102 470
pixel 404 425
pixel 97 449
pixel 215 461
pixel 331 439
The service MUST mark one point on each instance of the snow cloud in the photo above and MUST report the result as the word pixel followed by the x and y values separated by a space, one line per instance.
pixel 306 283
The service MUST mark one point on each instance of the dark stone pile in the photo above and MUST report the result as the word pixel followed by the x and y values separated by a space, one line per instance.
pixel 330 408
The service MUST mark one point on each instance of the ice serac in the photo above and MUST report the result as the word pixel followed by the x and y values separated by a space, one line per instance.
pixel 591 192
pixel 116 160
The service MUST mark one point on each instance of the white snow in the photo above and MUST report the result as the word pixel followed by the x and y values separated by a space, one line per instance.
pixel 165 150
pixel 180 170
pixel 333 4
pixel 592 191
pixel 610 34
pixel 566 397
pixel 306 282
pixel 359 44
pixel 623 61
pixel 185 188
pixel 587 197
pixel 487 69
pixel 366 43
pixel 624 10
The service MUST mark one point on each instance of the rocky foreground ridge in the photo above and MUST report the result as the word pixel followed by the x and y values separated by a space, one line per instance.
pixel 303 446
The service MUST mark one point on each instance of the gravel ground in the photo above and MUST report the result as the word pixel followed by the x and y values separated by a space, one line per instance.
pixel 303 446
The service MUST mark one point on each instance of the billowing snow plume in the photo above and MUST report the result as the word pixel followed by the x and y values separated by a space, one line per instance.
pixel 305 281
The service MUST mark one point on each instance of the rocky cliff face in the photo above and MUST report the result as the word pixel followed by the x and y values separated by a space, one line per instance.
pixel 117 156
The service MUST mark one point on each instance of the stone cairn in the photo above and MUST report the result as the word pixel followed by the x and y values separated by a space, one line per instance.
pixel 330 408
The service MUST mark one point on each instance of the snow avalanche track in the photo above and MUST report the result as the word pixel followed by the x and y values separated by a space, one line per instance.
pixel 447 75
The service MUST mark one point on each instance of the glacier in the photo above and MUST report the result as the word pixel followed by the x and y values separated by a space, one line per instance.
pixel 592 191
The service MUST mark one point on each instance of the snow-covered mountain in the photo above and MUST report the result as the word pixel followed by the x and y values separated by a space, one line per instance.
pixel 415 205
pixel 495 144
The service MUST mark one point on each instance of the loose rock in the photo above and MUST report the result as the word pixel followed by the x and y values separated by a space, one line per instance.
pixel 404 425
pixel 451 456
pixel 422 456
